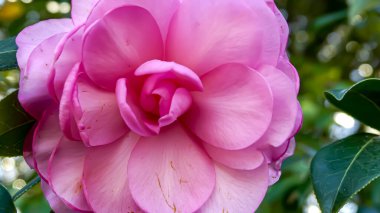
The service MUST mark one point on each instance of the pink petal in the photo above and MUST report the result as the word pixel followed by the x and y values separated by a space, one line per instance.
pixel 55 202
pixel 65 173
pixel 34 94
pixel 162 11
pixel 170 173
pixel 81 9
pixel 46 137
pixel 71 54
pixel 183 75
pixel 28 39
pixel 237 191
pixel 135 118
pixel 285 106
pixel 66 109
pixel 283 25
pixel 121 41
pixel 234 110
pixel 105 176
pixel 206 34
pixel 180 103
pixel 98 115
pixel 286 67
pixel 246 159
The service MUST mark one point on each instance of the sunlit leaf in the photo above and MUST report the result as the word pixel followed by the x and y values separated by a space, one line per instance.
pixel 362 101
pixel 343 168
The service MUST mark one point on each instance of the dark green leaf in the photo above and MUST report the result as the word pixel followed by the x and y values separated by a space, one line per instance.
pixel 6 202
pixel 8 49
pixel 14 126
pixel 343 168
pixel 362 101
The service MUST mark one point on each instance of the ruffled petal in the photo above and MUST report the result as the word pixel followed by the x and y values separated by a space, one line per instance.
pixel 28 39
pixel 81 9
pixel 118 43
pixel 33 94
pixel 97 113
pixel 246 159
pixel 284 106
pixel 65 174
pixel 54 201
pixel 170 173
pixel 105 176
pixel 286 67
pixel 46 137
pixel 206 34
pixel 135 118
pixel 237 190
pixel 71 55
pixel 234 110
pixel 162 11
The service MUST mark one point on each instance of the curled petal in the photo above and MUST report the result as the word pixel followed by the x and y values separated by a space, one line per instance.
pixel 54 201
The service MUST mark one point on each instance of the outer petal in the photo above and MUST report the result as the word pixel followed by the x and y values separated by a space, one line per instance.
pixel 162 11
pixel 65 174
pixel 81 9
pixel 34 35
pixel 46 137
pixel 105 176
pixel 286 67
pixel 237 191
pixel 206 34
pixel 170 173
pixel 118 43
pixel 234 110
pixel 34 94
pixel 71 54
pixel 245 159
pixel 285 106
pixel 55 202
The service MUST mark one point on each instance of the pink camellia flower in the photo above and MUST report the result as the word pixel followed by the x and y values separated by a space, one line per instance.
pixel 159 105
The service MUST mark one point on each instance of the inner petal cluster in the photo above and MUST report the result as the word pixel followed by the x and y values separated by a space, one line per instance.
pixel 156 95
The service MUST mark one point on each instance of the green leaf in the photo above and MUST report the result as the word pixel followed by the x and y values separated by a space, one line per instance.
pixel 6 202
pixel 8 49
pixel 343 168
pixel 14 126
pixel 362 101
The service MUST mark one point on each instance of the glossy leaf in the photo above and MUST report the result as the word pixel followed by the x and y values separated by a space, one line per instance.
pixel 6 202
pixel 343 168
pixel 8 49
pixel 362 101
pixel 14 126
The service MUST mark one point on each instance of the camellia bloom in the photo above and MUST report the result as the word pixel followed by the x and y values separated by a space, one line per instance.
pixel 159 105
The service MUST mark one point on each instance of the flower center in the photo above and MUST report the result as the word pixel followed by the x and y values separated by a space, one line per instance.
pixel 158 94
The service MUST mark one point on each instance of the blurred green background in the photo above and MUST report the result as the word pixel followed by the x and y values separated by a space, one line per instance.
pixel 333 44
